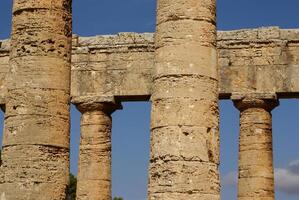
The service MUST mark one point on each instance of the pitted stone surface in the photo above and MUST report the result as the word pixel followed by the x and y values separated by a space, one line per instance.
pixel 35 155
pixel 4 67
pixel 119 66
pixel 256 174
pixel 184 154
pixel 262 60
pixel 258 61
pixel 177 69
pixel 94 169
pixel 115 68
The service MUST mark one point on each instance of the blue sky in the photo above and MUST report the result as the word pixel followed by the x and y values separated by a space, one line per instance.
pixel 131 125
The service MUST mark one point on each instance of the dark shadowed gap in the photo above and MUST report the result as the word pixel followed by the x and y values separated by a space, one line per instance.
pixel 229 136
pixel 130 150
pixel 286 149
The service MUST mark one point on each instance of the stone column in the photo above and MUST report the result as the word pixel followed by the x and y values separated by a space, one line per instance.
pixel 256 176
pixel 184 120
pixel 35 155
pixel 94 173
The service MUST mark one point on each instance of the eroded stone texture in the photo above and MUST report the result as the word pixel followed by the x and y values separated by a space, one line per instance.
pixel 122 67
pixel 94 170
pixel 256 175
pixel 35 162
pixel 4 67
pixel 184 121
pixel 264 60
pixel 111 65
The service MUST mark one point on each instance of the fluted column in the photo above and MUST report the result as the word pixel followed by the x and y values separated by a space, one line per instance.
pixel 184 120
pixel 256 175
pixel 94 170
pixel 35 154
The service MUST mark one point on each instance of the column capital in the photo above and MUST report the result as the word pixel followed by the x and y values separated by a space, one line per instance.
pixel 246 101
pixel 92 103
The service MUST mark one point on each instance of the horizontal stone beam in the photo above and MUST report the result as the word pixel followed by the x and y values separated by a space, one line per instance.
pixel 120 67
pixel 117 66
pixel 259 61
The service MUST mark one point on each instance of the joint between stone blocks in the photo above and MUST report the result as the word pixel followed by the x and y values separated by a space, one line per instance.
pixel 107 104
pixel 243 101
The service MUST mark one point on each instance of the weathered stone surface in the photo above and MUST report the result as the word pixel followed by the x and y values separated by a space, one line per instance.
pixel 94 169
pixel 263 60
pixel 35 156
pixel 184 154
pixel 251 60
pixel 175 72
pixel 4 67
pixel 256 175
pixel 119 66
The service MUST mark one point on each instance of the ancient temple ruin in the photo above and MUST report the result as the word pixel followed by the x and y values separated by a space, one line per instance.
pixel 183 69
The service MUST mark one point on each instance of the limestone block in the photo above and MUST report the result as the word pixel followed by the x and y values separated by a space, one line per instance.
pixel 256 174
pixel 250 60
pixel 35 154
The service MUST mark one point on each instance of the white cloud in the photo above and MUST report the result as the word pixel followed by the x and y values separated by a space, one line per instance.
pixel 286 179
pixel 294 166
pixel 230 179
